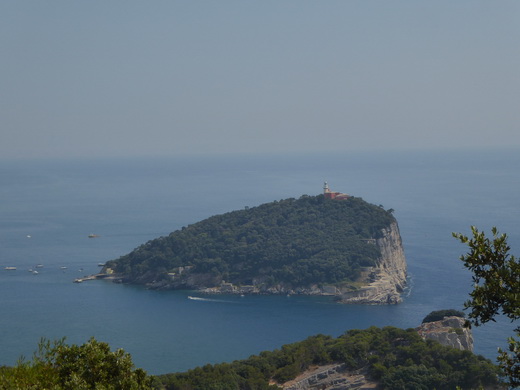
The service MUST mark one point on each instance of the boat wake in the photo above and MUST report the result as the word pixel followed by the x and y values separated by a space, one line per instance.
pixel 208 299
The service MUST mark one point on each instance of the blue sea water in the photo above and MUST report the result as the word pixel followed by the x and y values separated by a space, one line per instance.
pixel 48 209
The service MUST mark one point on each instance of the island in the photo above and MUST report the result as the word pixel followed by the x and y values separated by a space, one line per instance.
pixel 328 244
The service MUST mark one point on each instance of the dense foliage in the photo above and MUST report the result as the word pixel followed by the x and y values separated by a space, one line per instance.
pixel 297 242
pixel 496 278
pixel 59 366
pixel 440 314
pixel 396 358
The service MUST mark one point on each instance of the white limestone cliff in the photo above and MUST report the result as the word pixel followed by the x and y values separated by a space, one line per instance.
pixel 449 331
pixel 387 280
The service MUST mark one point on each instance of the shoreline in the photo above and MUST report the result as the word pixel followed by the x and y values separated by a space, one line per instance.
pixel 368 294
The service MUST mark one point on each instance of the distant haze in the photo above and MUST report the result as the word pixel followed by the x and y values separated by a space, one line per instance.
pixel 134 78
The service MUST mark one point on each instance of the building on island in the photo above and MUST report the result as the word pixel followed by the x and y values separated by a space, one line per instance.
pixel 333 195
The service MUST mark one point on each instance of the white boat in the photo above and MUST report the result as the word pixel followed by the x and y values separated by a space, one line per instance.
pixel 63 267
pixel 39 266
pixel 35 272
pixel 10 268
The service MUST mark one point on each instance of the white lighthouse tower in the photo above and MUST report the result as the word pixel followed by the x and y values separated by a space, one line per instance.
pixel 326 188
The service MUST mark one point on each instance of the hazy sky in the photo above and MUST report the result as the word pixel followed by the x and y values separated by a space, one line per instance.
pixel 135 78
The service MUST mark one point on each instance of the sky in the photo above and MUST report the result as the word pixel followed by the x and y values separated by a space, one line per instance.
pixel 130 78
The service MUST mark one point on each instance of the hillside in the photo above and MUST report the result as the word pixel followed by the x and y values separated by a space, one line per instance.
pixel 293 243
pixel 387 358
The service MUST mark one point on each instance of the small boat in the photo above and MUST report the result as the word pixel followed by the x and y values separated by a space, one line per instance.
pixel 10 268
pixel 101 264
pixel 35 272
pixel 92 236
pixel 195 298
pixel 39 266
pixel 63 267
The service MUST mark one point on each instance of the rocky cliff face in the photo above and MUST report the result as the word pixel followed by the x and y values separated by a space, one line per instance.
pixel 449 331
pixel 386 281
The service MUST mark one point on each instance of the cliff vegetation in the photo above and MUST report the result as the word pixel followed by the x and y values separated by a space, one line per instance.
pixel 439 315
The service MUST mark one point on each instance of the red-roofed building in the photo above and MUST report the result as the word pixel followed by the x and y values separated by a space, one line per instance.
pixel 333 195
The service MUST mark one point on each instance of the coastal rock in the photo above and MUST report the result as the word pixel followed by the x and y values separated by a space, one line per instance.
pixel 388 279
pixel 449 331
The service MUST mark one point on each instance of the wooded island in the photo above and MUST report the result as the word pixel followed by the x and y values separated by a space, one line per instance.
pixel 314 244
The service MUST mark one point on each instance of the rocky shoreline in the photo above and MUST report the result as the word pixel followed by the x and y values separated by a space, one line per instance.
pixel 229 288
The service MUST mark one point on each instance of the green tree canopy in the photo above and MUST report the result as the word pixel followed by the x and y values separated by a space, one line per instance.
pixel 393 357
pixel 296 242
pixel 59 366
pixel 496 278
pixel 396 358
pixel 438 315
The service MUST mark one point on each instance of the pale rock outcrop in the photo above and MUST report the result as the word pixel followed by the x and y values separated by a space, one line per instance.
pixel 449 331
pixel 332 377
pixel 388 279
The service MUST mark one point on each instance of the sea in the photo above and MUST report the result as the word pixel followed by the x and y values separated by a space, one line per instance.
pixel 48 209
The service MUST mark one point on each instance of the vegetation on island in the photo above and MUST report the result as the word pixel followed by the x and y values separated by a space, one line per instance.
pixel 294 242
pixel 496 278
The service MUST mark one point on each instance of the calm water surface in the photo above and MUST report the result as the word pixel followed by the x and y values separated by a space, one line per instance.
pixel 127 202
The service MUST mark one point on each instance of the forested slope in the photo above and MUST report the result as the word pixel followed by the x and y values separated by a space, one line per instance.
pixel 297 242
pixel 394 358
